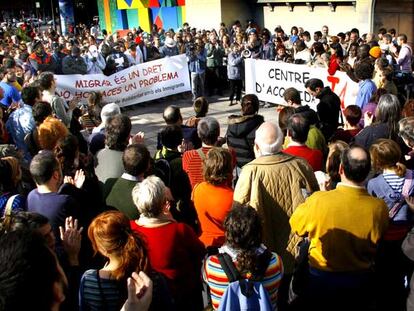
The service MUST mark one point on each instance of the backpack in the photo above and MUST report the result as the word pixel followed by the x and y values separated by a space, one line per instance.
pixel 244 294
pixel 162 168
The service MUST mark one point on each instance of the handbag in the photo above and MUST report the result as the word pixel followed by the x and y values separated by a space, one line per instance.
pixel 8 209
pixel 405 193
pixel 300 275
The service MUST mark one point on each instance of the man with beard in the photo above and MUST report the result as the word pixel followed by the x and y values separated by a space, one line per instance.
pixel 11 94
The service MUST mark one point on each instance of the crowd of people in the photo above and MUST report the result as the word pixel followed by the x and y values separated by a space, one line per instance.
pixel 315 212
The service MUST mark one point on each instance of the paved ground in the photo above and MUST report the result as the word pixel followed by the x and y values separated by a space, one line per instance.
pixel 147 117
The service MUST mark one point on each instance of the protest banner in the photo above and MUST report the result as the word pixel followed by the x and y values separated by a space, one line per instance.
pixel 136 84
pixel 269 80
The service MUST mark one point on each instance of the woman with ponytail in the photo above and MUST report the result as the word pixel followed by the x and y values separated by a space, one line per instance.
pixel 395 186
pixel 106 289
pixel 243 234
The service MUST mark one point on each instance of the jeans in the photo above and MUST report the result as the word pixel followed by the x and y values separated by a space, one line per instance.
pixel 197 84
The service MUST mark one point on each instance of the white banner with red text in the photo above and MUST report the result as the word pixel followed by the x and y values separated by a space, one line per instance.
pixel 136 84
pixel 269 80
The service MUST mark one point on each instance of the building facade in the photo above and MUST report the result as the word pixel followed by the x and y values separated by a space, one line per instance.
pixel 339 15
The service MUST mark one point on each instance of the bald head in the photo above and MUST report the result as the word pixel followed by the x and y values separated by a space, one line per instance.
pixel 356 164
pixel 172 115
pixel 269 139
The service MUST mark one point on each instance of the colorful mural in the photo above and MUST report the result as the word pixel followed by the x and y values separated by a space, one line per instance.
pixel 127 14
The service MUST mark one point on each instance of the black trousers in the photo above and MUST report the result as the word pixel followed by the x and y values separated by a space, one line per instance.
pixel 213 80
pixel 235 89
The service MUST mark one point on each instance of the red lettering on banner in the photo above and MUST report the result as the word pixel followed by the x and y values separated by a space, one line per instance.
pixel 133 74
pixel 334 81
pixel 119 80
pixel 156 79
pixel 64 94
pixel 342 96
pixel 152 69
pixel 112 92
pixel 79 84
pixel 81 95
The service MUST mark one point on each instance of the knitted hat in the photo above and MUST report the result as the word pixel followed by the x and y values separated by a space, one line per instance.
pixel 375 52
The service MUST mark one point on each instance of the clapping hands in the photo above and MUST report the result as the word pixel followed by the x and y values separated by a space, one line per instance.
pixel 77 181
pixel 71 239
pixel 139 292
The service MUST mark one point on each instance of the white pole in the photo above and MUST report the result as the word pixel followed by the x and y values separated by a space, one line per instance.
pixel 53 14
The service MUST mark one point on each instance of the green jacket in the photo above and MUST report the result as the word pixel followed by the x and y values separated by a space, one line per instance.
pixel 118 195
pixel 214 55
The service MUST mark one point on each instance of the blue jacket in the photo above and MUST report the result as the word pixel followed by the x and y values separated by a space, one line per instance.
pixel 197 63
pixel 235 66
pixel 19 124
pixel 379 188
pixel 366 89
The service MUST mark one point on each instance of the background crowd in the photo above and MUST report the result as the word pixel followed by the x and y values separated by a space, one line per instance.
pixel 313 212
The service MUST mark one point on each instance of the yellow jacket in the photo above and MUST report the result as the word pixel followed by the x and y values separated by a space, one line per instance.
pixel 343 225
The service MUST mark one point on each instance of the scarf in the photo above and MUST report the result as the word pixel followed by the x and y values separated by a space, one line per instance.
pixel 152 222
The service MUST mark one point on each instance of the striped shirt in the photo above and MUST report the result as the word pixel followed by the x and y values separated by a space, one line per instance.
pixel 217 280
pixel 91 298
pixel 396 182
pixel 193 165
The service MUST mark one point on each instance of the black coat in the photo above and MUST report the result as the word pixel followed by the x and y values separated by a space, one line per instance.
pixel 241 133
pixel 328 111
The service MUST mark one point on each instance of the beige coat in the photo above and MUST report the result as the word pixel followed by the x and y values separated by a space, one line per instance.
pixel 275 186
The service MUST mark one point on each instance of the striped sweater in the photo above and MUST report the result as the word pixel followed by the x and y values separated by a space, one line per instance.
pixel 217 280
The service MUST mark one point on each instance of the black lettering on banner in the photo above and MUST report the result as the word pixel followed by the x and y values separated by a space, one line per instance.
pixel 307 97
pixel 288 76
pixel 306 76
pixel 298 77
pixel 258 88
pixel 284 75
pixel 269 90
